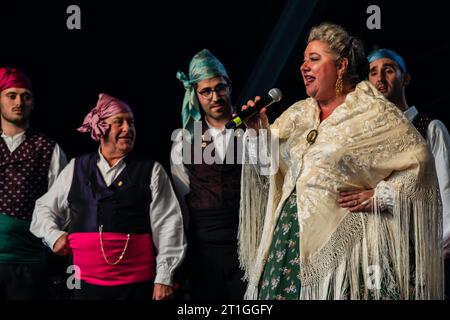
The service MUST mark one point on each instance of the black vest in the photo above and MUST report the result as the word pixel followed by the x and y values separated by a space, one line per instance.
pixel 24 174
pixel 214 186
pixel 421 122
pixel 123 207
pixel 213 199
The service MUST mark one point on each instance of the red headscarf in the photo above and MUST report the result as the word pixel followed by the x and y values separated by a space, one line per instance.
pixel 13 78
pixel 106 107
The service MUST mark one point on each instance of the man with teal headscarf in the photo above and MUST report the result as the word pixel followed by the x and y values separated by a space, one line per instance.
pixel 209 193
pixel 204 66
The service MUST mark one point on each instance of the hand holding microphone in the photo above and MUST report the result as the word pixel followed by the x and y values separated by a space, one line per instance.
pixel 258 121
pixel 252 108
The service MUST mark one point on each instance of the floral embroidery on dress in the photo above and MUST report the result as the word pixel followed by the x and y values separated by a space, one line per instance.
pixel 281 276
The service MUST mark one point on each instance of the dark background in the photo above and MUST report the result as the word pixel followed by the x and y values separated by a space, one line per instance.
pixel 133 49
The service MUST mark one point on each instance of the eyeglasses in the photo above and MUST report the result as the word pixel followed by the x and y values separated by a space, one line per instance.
pixel 220 90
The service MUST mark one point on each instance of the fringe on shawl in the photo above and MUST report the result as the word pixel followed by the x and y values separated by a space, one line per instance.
pixel 371 256
pixel 251 218
pixel 395 256
pixel 380 255
pixel 255 182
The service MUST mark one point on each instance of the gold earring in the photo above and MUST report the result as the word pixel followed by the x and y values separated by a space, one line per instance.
pixel 338 86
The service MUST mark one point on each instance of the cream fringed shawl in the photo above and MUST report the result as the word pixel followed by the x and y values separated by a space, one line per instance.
pixel 365 142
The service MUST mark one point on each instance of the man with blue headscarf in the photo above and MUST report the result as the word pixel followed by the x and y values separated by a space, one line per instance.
pixel 209 192
pixel 388 73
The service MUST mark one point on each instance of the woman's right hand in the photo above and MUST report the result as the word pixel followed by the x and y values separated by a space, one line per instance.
pixel 254 122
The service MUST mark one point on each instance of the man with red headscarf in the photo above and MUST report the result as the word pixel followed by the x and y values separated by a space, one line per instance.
pixel 29 164
pixel 124 224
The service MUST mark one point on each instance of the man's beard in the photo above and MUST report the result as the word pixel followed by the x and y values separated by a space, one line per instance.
pixel 19 121
pixel 226 110
pixel 394 96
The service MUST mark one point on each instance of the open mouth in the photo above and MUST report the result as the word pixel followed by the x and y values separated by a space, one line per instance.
pixel 308 79
pixel 382 89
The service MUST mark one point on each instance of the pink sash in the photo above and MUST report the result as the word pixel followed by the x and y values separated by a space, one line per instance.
pixel 137 264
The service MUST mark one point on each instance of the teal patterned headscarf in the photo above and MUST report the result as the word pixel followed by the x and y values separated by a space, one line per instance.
pixel 202 66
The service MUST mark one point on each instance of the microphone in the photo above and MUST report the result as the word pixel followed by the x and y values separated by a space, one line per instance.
pixel 274 95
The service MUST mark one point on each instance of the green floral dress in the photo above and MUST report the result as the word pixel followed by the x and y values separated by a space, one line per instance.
pixel 280 280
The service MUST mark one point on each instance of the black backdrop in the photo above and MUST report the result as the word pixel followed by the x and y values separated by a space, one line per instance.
pixel 132 50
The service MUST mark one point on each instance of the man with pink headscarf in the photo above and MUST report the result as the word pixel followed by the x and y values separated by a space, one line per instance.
pixel 29 164
pixel 116 212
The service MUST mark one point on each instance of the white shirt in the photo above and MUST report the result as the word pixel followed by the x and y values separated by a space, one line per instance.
pixel 438 139
pixel 57 162
pixel 51 214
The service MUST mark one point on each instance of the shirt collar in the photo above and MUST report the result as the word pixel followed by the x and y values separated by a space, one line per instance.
pixel 411 113
pixel 17 136
pixel 105 165
pixel 214 131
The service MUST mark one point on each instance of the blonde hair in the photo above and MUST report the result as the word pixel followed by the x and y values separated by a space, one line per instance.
pixel 343 45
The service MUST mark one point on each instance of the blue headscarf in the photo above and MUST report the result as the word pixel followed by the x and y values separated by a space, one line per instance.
pixel 387 53
pixel 202 66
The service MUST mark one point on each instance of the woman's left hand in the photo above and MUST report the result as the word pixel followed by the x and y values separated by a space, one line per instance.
pixel 357 201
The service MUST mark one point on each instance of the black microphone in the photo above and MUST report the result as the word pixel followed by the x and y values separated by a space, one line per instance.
pixel 274 95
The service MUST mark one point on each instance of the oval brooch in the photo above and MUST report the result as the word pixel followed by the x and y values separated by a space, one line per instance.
pixel 312 136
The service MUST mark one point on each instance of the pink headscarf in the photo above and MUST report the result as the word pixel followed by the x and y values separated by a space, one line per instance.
pixel 106 107
pixel 13 78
